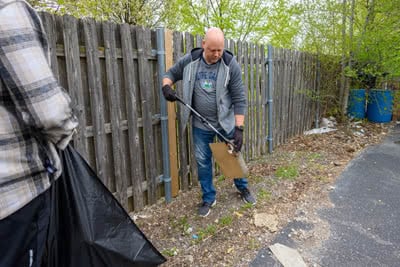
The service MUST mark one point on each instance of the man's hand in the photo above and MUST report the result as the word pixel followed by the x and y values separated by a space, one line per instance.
pixel 169 93
pixel 238 138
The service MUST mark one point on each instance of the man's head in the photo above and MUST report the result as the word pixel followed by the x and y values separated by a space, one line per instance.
pixel 213 45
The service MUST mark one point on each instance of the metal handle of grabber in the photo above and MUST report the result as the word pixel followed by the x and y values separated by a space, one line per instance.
pixel 206 122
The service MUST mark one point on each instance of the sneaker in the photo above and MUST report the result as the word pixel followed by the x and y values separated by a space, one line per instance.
pixel 205 208
pixel 247 197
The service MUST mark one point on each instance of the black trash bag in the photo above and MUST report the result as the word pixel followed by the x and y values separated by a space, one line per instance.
pixel 88 226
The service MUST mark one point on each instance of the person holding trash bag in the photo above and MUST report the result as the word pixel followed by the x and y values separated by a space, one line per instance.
pixel 35 119
pixel 212 84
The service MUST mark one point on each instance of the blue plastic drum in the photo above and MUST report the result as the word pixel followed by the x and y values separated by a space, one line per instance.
pixel 380 105
pixel 356 104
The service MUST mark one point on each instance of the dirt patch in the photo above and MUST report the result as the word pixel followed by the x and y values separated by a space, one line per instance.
pixel 290 185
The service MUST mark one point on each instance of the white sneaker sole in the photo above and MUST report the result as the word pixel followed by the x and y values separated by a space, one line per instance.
pixel 212 205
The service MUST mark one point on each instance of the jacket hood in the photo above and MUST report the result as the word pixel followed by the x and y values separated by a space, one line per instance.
pixel 227 56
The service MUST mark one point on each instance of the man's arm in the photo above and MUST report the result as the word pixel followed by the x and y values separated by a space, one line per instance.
pixel 239 120
pixel 24 69
pixel 174 74
pixel 167 81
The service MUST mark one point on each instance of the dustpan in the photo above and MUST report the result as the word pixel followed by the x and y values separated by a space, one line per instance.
pixel 231 163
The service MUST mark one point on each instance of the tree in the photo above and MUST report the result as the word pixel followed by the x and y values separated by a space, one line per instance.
pixel 257 21
pixel 148 13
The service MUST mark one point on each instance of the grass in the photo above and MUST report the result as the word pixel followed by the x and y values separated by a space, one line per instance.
pixel 263 195
pixel 220 179
pixel 170 252
pixel 289 172
pixel 204 232
pixel 314 156
pixel 181 224
pixel 246 206
pixel 225 221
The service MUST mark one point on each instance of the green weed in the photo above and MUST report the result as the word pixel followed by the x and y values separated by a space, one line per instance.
pixel 204 232
pixel 226 220
pixel 170 252
pixel 220 179
pixel 314 156
pixel 263 195
pixel 287 172
pixel 246 206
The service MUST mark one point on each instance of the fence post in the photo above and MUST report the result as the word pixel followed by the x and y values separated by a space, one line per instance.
pixel 164 114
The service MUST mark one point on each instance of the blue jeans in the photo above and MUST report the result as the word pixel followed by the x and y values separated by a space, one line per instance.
pixel 202 152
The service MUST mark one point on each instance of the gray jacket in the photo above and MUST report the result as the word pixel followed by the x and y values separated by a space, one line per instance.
pixel 231 97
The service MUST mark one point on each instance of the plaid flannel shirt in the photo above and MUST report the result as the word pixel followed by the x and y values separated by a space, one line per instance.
pixel 35 112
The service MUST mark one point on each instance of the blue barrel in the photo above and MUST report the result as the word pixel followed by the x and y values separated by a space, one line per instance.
pixel 380 105
pixel 356 104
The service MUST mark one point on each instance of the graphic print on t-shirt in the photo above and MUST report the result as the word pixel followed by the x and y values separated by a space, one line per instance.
pixel 207 80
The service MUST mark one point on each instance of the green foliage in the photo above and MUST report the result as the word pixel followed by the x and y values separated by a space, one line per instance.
pixel 257 21
pixel 221 178
pixel 170 252
pixel 246 206
pixel 226 220
pixel 209 230
pixel 396 102
pixel 263 195
pixel 314 156
pixel 287 172
pixel 148 13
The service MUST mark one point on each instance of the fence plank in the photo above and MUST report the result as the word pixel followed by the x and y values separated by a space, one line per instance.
pixel 96 97
pixel 280 96
pixel 199 40
pixel 114 88
pixel 295 95
pixel 251 99
pixel 246 85
pixel 182 138
pixel 72 59
pixel 189 45
pixel 302 86
pixel 172 133
pixel 264 114
pixel 291 111
pixel 143 41
pixel 258 135
pixel 49 24
pixel 135 150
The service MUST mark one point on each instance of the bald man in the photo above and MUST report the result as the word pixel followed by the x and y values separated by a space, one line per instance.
pixel 213 86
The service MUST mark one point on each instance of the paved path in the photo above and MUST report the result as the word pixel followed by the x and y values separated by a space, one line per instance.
pixel 365 218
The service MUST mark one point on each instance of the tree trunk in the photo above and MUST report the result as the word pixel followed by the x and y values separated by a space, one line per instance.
pixel 343 102
pixel 350 47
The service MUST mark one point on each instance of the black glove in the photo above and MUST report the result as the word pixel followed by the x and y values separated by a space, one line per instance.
pixel 169 93
pixel 238 138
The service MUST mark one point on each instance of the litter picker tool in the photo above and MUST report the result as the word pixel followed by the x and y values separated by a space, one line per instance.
pixel 230 161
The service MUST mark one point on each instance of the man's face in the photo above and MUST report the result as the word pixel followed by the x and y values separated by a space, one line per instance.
pixel 213 50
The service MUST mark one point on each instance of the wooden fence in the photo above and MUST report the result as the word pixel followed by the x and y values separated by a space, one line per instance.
pixel 111 73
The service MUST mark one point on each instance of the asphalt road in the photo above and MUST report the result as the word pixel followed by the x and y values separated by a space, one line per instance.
pixel 365 218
